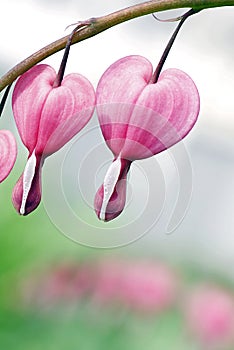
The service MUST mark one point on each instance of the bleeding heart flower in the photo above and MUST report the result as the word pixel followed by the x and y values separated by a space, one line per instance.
pixel 8 153
pixel 139 118
pixel 47 117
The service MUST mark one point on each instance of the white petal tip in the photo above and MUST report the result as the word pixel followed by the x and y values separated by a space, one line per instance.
pixel 22 210
pixel 28 176
pixel 109 184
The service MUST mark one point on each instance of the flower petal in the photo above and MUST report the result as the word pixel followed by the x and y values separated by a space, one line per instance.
pixel 8 153
pixel 29 96
pixel 123 81
pixel 139 119
pixel 117 92
pixel 67 110
pixel 171 121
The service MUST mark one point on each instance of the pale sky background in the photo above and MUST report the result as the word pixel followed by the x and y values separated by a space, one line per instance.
pixel 204 50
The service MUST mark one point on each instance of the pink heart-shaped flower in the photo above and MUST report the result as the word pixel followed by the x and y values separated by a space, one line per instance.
pixel 47 117
pixel 139 119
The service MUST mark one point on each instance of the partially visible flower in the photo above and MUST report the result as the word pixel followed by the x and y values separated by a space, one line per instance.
pixel 139 118
pixel 8 153
pixel 210 316
pixel 47 117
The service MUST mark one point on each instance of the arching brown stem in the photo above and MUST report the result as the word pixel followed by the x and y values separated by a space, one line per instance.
pixel 103 23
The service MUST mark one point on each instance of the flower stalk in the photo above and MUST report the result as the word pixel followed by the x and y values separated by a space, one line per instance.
pixel 4 99
pixel 170 44
pixel 63 64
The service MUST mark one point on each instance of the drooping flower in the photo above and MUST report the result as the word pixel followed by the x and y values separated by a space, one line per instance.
pixel 47 117
pixel 139 118
pixel 8 153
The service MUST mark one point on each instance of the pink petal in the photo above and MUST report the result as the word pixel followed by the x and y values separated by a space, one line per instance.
pixel 175 102
pixel 124 80
pixel 140 119
pixel 117 92
pixel 8 153
pixel 28 99
pixel 47 116
pixel 67 110
pixel 111 197
pixel 59 104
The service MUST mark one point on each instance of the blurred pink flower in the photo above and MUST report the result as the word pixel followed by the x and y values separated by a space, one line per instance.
pixel 64 283
pixel 108 282
pixel 144 286
pixel 210 315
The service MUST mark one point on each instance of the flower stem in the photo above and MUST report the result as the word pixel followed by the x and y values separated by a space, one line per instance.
pixel 4 98
pixel 63 64
pixel 170 44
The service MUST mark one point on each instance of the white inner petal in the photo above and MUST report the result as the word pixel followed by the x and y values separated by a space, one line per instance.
pixel 28 176
pixel 110 181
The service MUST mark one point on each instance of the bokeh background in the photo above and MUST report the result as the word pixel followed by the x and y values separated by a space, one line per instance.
pixel 57 293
